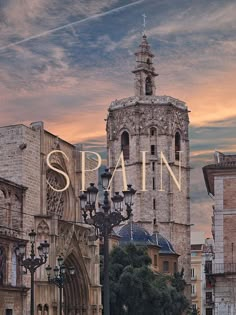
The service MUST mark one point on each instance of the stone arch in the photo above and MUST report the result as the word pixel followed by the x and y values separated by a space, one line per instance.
pixel 76 288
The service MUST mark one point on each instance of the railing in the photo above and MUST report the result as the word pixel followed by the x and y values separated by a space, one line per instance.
pixel 220 268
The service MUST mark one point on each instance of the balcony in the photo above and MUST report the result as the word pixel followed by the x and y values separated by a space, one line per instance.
pixel 220 269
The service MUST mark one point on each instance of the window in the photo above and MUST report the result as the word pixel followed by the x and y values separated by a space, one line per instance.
pixel 193 289
pixel 45 310
pixel 153 166
pixel 165 266
pixel 194 307
pixel 154 204
pixel 153 183
pixel 208 297
pixel 9 311
pixel 153 149
pixel 177 146
pixel 192 273
pixel 125 144
pixel 155 260
pixel 39 309
pixel 209 311
pixel 2 265
pixel 153 131
pixel 148 86
pixel 208 267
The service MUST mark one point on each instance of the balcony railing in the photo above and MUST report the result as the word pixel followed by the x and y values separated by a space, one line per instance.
pixel 220 268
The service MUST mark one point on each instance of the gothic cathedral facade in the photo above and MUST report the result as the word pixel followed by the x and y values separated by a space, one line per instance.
pixel 155 124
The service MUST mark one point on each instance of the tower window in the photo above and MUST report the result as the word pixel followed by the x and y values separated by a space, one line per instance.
pixel 153 166
pixel 125 144
pixel 148 86
pixel 153 183
pixel 154 203
pixel 153 149
pixel 153 132
pixel 177 146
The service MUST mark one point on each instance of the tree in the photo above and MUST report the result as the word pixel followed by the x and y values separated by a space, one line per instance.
pixel 136 290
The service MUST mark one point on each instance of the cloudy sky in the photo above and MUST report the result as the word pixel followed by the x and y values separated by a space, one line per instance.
pixel 64 61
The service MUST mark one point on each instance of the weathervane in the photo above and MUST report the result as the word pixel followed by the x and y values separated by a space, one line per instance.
pixel 144 23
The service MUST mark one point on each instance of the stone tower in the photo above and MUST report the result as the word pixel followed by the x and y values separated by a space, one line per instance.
pixel 147 122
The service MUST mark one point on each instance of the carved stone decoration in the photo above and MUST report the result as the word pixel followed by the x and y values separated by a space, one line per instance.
pixel 55 199
pixel 43 228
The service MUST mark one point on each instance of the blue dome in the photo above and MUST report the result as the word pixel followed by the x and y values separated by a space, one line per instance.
pixel 132 232
pixel 166 246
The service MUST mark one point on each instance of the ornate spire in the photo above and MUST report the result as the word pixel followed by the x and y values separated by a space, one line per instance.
pixel 144 71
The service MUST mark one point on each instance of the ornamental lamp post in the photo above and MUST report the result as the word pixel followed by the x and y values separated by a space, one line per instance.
pixel 105 218
pixel 59 277
pixel 32 263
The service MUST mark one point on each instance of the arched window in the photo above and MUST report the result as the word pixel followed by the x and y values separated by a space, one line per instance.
pixel 153 132
pixel 45 310
pixel 39 309
pixel 125 144
pixel 177 145
pixel 148 86
pixel 2 265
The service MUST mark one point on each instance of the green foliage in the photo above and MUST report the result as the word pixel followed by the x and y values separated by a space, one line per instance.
pixel 136 290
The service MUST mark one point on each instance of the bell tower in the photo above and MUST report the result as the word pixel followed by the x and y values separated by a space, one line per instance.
pixel 157 125
pixel 144 71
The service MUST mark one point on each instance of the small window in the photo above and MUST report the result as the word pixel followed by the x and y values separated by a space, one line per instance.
pixel 153 183
pixel 153 149
pixel 155 260
pixel 39 309
pixel 45 310
pixel 153 166
pixel 148 86
pixel 192 273
pixel 153 131
pixel 177 146
pixel 208 297
pixel 2 265
pixel 209 311
pixel 193 289
pixel 165 266
pixel 154 203
pixel 125 144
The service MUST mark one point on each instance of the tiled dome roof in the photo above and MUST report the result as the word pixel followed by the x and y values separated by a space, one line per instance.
pixel 132 232
pixel 166 246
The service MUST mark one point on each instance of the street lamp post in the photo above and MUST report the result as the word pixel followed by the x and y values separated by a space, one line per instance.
pixel 32 263
pixel 59 277
pixel 105 218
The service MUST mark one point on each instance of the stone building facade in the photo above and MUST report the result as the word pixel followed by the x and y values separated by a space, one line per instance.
pixel 201 288
pixel 155 124
pixel 27 202
pixel 220 179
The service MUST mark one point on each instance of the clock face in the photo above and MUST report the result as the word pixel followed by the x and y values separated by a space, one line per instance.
pixel 55 199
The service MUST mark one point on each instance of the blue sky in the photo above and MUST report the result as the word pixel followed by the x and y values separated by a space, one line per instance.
pixel 67 74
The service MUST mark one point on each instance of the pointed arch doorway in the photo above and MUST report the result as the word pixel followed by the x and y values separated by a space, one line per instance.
pixel 76 288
